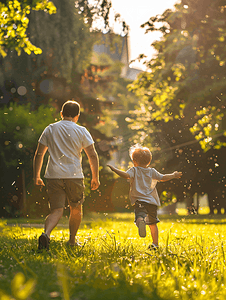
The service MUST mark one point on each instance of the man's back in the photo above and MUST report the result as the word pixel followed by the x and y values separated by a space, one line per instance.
pixel 65 141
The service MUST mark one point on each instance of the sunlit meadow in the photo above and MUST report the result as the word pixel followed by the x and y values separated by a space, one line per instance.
pixel 114 262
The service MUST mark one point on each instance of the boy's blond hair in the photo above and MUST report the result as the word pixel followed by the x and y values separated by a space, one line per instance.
pixel 140 155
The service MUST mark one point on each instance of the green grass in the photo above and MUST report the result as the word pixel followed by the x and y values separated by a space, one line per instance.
pixel 114 262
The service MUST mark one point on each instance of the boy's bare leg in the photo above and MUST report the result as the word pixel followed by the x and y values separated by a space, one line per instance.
pixel 52 220
pixel 74 222
pixel 154 233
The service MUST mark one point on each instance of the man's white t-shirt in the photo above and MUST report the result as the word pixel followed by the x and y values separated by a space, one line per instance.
pixel 65 141
pixel 142 185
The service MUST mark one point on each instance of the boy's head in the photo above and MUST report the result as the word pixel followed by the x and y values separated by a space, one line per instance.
pixel 140 156
pixel 70 109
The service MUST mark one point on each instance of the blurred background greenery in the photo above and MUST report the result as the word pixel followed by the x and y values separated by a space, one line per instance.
pixel 51 51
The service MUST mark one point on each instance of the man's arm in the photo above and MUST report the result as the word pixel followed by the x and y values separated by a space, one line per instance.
pixel 119 172
pixel 94 166
pixel 37 164
pixel 173 175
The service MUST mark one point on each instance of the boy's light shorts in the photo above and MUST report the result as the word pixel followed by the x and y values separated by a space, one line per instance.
pixel 146 211
pixel 59 190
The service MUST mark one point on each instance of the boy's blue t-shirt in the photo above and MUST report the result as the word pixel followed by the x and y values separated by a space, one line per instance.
pixel 142 185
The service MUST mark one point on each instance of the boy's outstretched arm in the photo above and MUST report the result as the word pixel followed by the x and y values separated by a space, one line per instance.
pixel 119 172
pixel 173 175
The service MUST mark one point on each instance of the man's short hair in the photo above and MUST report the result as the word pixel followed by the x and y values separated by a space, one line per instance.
pixel 141 155
pixel 70 109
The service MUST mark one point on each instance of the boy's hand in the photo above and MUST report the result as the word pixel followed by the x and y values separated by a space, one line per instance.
pixel 177 174
pixel 110 166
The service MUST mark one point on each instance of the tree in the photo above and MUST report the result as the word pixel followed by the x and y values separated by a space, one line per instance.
pixel 20 129
pixel 14 23
pixel 66 45
pixel 183 97
pixel 187 77
pixel 14 19
pixel 56 73
pixel 106 120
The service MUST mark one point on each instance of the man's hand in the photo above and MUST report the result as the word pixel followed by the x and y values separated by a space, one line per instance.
pixel 39 182
pixel 95 183
pixel 37 165
pixel 94 165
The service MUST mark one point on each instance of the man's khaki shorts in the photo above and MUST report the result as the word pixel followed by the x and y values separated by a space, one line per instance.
pixel 59 190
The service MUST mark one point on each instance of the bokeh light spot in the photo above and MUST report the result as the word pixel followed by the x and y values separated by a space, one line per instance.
pixel 15 198
pixel 21 90
pixel 46 86
pixel 19 145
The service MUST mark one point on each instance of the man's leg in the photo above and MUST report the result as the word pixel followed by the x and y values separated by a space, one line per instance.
pixel 74 222
pixel 52 220
pixel 154 233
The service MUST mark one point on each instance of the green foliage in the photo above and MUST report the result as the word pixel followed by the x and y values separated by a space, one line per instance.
pixel 181 112
pixel 101 59
pixel 20 129
pixel 97 15
pixel 187 75
pixel 67 42
pixel 14 23
pixel 14 19
pixel 114 120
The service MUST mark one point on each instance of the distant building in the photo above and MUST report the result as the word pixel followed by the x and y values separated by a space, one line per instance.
pixel 119 51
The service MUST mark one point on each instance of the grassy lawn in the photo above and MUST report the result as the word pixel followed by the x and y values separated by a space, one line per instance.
pixel 114 262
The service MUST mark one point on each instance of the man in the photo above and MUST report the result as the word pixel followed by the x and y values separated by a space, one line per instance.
pixel 64 141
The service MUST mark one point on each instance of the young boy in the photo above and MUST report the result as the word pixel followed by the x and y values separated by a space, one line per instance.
pixel 143 193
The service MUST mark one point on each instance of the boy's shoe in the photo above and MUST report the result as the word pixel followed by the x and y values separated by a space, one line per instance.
pixel 142 228
pixel 43 242
pixel 153 247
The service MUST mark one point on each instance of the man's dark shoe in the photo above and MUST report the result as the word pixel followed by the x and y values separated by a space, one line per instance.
pixel 43 242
